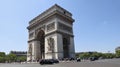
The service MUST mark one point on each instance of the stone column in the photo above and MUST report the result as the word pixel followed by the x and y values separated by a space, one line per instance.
pixel 72 48
pixel 49 53
pixel 35 50
pixel 29 53
pixel 59 46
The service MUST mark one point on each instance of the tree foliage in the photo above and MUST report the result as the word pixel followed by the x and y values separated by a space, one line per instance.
pixel 2 57
pixel 21 58
pixel 11 57
pixel 2 54
pixel 118 53
pixel 87 55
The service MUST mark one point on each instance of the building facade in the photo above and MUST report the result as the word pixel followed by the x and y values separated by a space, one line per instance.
pixel 19 53
pixel 51 35
pixel 118 48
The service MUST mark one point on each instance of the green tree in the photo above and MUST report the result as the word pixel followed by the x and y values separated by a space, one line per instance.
pixel 2 57
pixel 84 55
pixel 96 55
pixel 109 55
pixel 77 55
pixel 11 57
pixel 2 54
pixel 118 53
pixel 21 58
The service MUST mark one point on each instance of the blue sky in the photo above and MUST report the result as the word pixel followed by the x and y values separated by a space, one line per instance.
pixel 96 26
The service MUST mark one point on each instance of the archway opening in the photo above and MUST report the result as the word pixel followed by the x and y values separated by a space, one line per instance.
pixel 65 48
pixel 41 39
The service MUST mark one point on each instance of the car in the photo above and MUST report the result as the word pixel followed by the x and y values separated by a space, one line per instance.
pixel 78 60
pixel 45 61
pixel 55 60
pixel 93 58
pixel 71 59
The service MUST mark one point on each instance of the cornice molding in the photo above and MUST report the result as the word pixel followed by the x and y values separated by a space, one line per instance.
pixel 49 10
pixel 48 17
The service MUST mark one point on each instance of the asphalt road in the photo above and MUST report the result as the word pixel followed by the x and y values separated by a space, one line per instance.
pixel 99 63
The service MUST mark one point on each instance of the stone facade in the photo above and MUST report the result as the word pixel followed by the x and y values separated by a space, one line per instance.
pixel 51 35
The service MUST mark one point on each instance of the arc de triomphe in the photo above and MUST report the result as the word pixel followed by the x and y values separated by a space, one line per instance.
pixel 51 35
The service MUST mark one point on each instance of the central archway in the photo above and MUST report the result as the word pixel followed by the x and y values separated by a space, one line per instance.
pixel 41 38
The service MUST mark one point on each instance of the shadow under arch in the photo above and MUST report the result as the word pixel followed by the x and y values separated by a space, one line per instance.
pixel 40 36
pixel 66 47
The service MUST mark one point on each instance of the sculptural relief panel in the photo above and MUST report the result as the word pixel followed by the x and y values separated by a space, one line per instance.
pixel 51 26
pixel 50 42
pixel 30 49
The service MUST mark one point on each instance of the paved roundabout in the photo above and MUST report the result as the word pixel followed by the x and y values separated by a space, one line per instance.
pixel 98 63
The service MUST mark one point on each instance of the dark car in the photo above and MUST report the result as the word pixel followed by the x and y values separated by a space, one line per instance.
pixel 93 58
pixel 71 59
pixel 55 60
pixel 46 61
pixel 78 60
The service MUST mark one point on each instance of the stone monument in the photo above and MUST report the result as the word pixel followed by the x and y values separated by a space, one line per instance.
pixel 51 35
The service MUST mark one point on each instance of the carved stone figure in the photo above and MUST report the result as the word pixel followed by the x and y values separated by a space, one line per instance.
pixel 50 44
